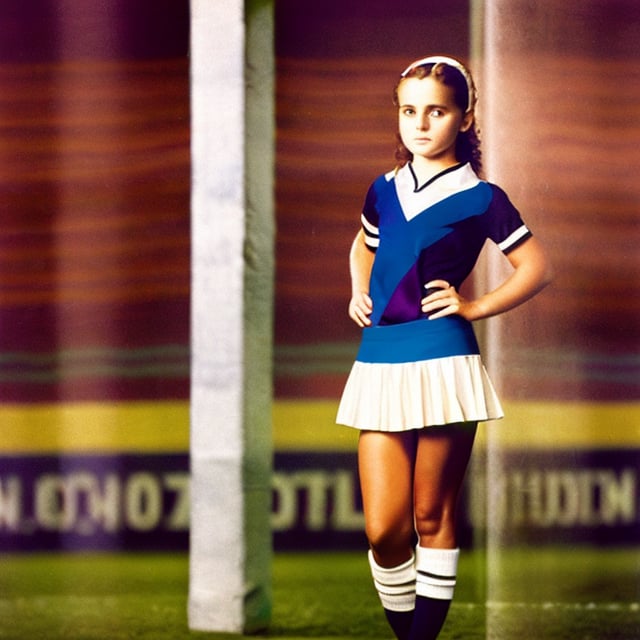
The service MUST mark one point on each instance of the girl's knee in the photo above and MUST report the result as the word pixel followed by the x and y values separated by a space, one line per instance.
pixel 435 529
pixel 390 543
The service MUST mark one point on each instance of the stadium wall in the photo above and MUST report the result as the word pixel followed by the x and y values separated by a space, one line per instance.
pixel 94 252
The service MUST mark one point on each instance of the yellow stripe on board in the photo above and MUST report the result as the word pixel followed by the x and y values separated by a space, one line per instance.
pixel 153 427
pixel 297 425
pixel 562 425
pixel 95 427
pixel 311 424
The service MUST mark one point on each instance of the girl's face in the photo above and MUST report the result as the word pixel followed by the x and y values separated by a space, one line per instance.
pixel 430 120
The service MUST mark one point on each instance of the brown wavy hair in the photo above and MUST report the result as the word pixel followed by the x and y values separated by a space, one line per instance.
pixel 467 142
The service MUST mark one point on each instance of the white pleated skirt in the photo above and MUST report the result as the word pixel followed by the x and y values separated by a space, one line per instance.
pixel 421 374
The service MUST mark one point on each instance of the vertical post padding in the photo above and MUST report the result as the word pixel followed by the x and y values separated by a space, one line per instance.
pixel 232 256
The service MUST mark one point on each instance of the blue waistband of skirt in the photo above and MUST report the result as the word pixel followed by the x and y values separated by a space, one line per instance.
pixel 418 340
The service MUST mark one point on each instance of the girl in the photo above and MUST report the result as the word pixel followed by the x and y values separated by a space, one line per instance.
pixel 418 387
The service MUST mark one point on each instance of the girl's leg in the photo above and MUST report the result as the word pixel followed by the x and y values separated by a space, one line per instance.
pixel 441 462
pixel 386 462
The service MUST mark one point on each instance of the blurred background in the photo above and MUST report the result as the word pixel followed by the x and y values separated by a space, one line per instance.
pixel 94 264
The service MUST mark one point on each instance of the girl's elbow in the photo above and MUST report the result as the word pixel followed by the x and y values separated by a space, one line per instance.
pixel 545 269
pixel 546 276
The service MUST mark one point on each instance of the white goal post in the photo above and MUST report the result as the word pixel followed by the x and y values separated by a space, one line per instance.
pixel 231 314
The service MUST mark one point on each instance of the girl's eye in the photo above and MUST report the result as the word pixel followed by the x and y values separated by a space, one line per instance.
pixel 437 113
pixel 409 112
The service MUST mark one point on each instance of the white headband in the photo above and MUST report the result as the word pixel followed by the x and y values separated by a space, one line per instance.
pixel 471 90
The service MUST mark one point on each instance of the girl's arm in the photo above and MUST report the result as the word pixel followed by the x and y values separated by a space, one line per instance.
pixel 360 264
pixel 532 272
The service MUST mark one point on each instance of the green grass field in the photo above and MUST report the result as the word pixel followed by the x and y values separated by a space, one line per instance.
pixel 581 594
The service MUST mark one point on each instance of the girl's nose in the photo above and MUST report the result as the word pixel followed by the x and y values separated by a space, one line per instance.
pixel 422 122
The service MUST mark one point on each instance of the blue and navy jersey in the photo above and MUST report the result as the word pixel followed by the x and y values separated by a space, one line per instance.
pixel 431 232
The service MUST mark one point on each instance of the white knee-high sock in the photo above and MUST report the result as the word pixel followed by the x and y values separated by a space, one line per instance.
pixel 436 572
pixel 396 586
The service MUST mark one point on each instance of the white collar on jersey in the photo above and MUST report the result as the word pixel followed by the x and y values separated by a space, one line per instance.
pixel 443 185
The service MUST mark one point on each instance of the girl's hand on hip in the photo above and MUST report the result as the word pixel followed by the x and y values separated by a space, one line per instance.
pixel 532 272
pixel 446 301
pixel 360 308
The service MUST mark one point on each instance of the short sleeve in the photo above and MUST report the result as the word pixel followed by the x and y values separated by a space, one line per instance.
pixel 506 227
pixel 370 220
